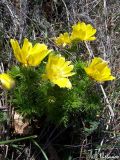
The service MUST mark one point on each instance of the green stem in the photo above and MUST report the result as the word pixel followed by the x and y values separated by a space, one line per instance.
pixel 17 140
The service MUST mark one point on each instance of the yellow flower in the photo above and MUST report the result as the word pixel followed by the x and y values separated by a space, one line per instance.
pixel 63 40
pixel 82 31
pixel 58 70
pixel 6 81
pixel 99 70
pixel 29 55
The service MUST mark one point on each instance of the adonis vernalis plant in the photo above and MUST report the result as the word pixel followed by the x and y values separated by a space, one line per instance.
pixel 56 88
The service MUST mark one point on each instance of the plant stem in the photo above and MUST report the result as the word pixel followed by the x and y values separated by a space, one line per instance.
pixel 107 101
pixel 17 140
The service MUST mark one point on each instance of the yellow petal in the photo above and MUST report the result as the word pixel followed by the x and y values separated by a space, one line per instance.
pixel 91 31
pixel 105 78
pixel 67 63
pixel 68 69
pixel 63 82
pixel 38 48
pixel 102 67
pixel 7 81
pixel 27 46
pixel 109 78
pixel 96 61
pixel 106 71
pixel 56 59
pixel 37 54
pixel 89 71
pixel 61 61
pixel 35 60
pixel 91 38
pixel 16 50
pixel 69 74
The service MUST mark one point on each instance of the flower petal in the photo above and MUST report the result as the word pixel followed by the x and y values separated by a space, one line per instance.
pixel 63 82
pixel 17 50
pixel 37 54
pixel 27 46
pixel 6 81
